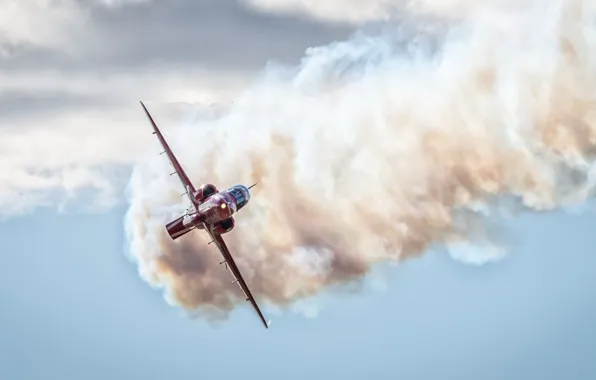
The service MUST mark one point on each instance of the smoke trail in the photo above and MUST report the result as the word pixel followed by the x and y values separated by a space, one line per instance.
pixel 376 148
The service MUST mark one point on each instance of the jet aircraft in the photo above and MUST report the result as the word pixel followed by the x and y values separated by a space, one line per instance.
pixel 211 210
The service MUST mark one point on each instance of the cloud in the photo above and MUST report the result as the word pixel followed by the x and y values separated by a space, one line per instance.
pixel 378 149
pixel 47 23
pixel 72 74
pixel 358 12
pixel 55 143
pixel 219 34
pixel 368 150
pixel 351 11
pixel 40 23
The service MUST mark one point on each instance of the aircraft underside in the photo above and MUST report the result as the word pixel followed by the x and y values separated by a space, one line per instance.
pixel 179 227
pixel 211 211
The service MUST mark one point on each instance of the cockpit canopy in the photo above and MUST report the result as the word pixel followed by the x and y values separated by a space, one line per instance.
pixel 241 193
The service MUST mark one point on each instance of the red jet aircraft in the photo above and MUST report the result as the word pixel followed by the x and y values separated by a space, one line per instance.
pixel 211 210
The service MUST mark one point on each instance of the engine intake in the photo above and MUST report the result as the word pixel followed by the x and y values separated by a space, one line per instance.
pixel 224 226
pixel 205 192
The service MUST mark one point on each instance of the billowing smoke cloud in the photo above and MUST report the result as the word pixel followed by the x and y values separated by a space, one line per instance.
pixel 378 148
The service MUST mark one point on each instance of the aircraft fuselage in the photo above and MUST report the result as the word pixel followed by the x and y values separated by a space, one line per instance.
pixel 217 208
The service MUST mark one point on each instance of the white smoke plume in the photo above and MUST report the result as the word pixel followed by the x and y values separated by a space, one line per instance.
pixel 378 148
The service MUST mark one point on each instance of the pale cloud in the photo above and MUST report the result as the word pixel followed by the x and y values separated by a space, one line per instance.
pixel 73 72
pixel 47 23
pixel 41 23
pixel 353 11
pixel 204 33
pixel 192 85
pixel 378 149
pixel 50 151
pixel 359 12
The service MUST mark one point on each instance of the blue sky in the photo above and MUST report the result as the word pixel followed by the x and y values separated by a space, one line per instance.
pixel 72 305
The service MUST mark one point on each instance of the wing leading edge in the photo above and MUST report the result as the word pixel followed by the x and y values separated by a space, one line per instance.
pixel 190 189
pixel 229 260
pixel 186 183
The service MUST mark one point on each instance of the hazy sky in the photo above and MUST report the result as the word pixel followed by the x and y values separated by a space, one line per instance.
pixel 72 305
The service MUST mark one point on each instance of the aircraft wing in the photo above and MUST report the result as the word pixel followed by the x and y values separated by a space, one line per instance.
pixel 188 186
pixel 229 260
